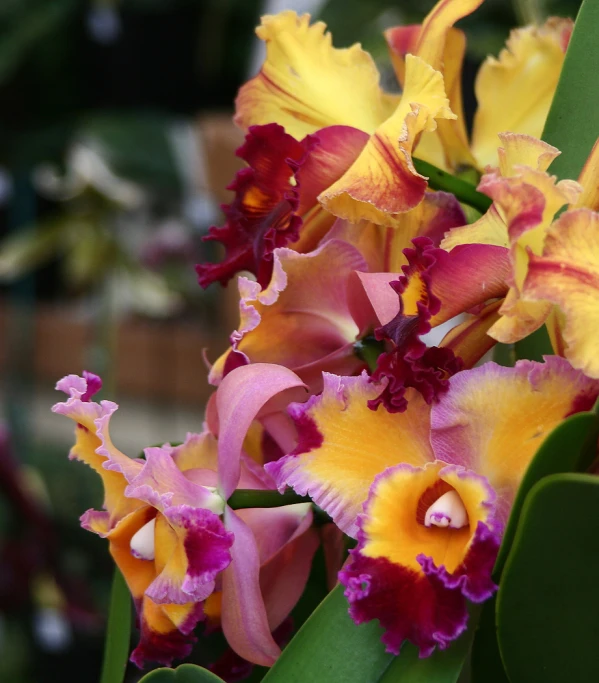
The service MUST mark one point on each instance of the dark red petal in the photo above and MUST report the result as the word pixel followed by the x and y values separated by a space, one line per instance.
pixel 414 365
pixel 408 605
pixel 163 648
pixel 474 575
pixel 263 214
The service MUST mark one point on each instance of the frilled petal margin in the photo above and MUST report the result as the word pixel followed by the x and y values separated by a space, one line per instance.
pixel 494 419
pixel 382 182
pixel 306 84
pixel 192 547
pixel 243 394
pixel 263 215
pixel 341 452
pixel 567 274
pixel 312 325
pixel 413 574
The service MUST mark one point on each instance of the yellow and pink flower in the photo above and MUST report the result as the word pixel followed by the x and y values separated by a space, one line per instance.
pixel 427 491
pixel 185 554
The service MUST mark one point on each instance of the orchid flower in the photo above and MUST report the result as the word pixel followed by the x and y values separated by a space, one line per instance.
pixel 184 553
pixel 548 279
pixel 532 55
pixel 427 492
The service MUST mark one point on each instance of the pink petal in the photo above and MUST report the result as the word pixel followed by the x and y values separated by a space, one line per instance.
pixel 241 396
pixel 244 618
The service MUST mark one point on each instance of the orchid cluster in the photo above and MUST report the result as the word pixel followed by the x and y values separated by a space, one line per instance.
pixel 409 453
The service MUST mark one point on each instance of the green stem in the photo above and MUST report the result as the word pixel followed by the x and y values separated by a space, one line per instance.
pixel 463 191
pixel 250 498
pixel 368 350
pixel 118 632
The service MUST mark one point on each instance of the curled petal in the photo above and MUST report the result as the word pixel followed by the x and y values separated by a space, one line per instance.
pixel 286 544
pixel 244 618
pixel 241 396
pixel 437 286
pixel 263 214
pixel 310 323
pixel 494 419
pixel 336 150
pixel 533 55
pixel 443 47
pixel 94 448
pixel 345 451
pixel 567 274
pixel 306 84
pixel 162 484
pixel 382 182
pixel 164 629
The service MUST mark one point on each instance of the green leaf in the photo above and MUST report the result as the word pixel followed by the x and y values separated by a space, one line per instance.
pixel 330 648
pixel 571 124
pixel 535 346
pixel 485 661
pixel 118 632
pixel 186 673
pixel 548 601
pixel 570 447
pixel 443 666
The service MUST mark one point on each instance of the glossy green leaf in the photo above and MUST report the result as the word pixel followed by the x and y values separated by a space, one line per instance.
pixel 548 601
pixel 186 673
pixel 330 648
pixel 485 661
pixel 572 125
pixel 569 448
pixel 118 632
pixel 443 666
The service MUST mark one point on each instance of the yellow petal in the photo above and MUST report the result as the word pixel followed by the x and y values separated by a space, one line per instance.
pixel 568 275
pixel 392 527
pixel 138 573
pixel 382 182
pixel 515 91
pixel 306 84
pixel 443 47
pixel 357 444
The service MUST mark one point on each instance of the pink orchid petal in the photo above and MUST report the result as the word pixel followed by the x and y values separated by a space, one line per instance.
pixel 244 618
pixel 284 576
pixel 162 484
pixel 494 419
pixel 241 396
pixel 382 297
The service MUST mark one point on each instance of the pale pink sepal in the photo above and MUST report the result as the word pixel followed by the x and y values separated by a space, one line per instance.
pixel 241 396
pixel 244 618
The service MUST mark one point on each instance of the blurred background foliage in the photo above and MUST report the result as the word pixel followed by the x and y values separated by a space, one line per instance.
pixel 114 115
